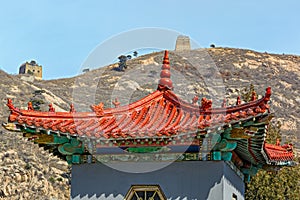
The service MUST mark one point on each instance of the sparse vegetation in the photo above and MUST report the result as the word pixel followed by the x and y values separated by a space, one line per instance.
pixel 27 166
pixel 122 62
pixel 247 92
pixel 38 92
pixel 274 132
pixel 52 180
pixel 36 103
pixel 59 179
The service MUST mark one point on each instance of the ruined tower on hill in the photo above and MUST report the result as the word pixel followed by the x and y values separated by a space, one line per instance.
pixel 183 43
pixel 31 68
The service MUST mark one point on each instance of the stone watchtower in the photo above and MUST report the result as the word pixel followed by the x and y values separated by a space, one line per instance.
pixel 183 43
pixel 31 68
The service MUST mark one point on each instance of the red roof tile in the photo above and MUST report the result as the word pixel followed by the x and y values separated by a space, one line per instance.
pixel 161 113
pixel 277 153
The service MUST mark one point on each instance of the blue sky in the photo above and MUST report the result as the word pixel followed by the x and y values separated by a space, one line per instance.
pixel 61 34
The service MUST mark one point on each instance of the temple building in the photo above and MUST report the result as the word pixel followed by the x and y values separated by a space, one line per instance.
pixel 32 68
pixel 159 147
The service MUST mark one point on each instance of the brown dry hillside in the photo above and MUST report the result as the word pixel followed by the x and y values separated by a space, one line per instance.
pixel 215 73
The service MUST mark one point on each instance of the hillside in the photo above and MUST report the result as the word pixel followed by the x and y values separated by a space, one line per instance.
pixel 215 73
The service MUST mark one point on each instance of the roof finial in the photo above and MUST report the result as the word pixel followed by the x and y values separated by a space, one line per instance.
pixel 224 104
pixel 51 108
pixel 116 102
pixel 195 100
pixel 166 57
pixel 268 94
pixel 238 100
pixel 72 109
pixel 10 104
pixel 165 82
pixel 253 96
pixel 29 106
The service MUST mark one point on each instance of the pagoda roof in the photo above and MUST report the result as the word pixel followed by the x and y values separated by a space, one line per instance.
pixel 164 115
pixel 161 113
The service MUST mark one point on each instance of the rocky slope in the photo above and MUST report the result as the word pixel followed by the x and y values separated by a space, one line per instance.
pixel 215 73
pixel 30 172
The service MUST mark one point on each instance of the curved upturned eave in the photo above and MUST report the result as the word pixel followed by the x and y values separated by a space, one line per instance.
pixel 167 95
pixel 277 153
pixel 188 107
pixel 106 112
